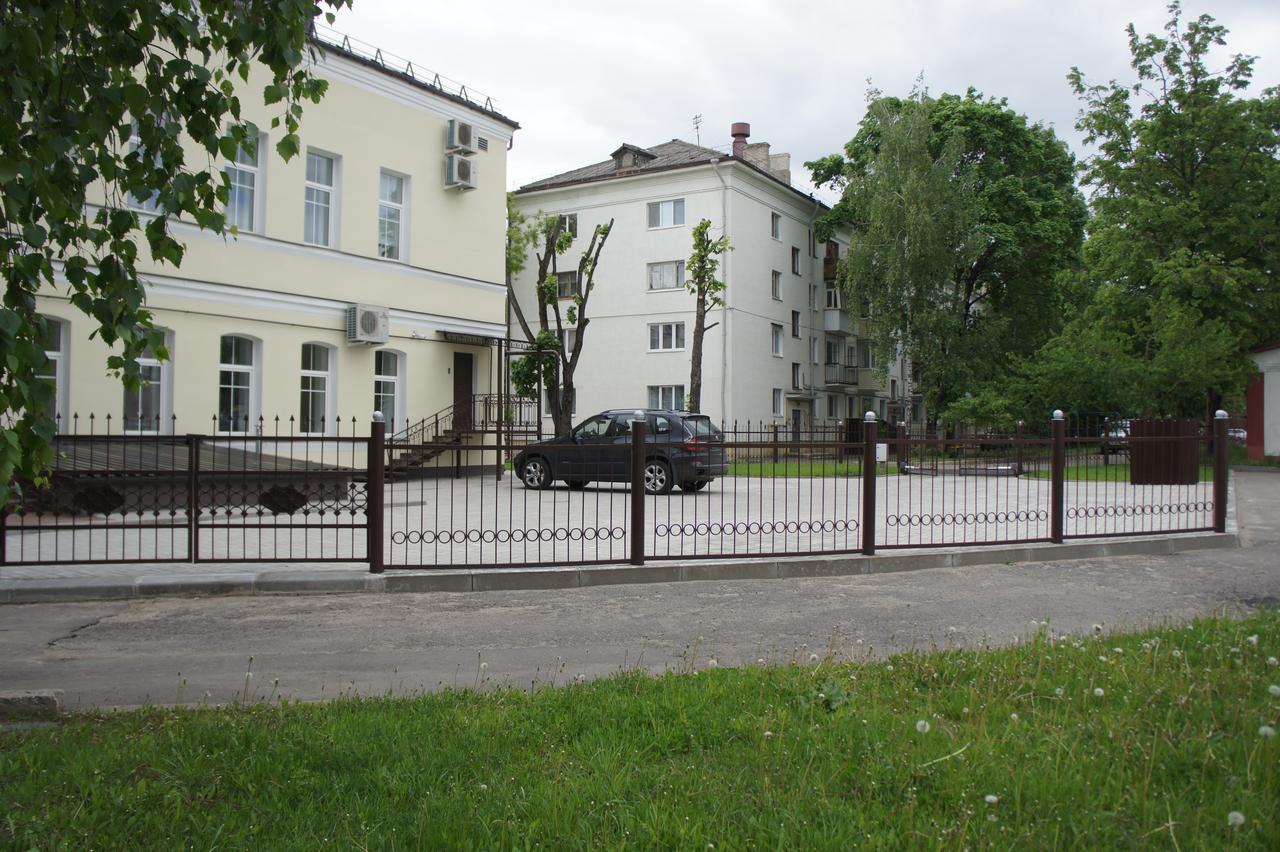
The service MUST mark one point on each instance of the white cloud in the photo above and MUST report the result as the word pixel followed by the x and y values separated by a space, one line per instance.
pixel 583 77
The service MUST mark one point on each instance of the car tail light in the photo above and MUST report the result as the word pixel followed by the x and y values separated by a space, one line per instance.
pixel 694 444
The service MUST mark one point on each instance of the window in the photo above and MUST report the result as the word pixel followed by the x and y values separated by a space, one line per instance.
pixel 795 260
pixel 316 379
pixel 813 349
pixel 666 336
pixel 567 285
pixel 666 276
pixel 242 194
pixel 776 341
pixel 235 384
pixel 666 214
pixel 833 352
pixel 151 203
pixel 568 338
pixel 796 376
pixel 317 223
pixel 833 406
pixel 386 386
pixel 777 402
pixel 851 356
pixel 143 408
pixel 54 372
pixel 795 323
pixel 866 358
pixel 573 401
pixel 893 389
pixel 833 298
pixel 669 397
pixel 775 287
pixel 775 225
pixel 864 307
pixel 853 408
pixel 569 224
pixel 390 215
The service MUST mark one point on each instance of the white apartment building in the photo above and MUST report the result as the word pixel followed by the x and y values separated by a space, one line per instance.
pixel 367 273
pixel 783 347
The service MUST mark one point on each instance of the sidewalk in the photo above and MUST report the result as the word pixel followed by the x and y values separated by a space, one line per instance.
pixel 1255 506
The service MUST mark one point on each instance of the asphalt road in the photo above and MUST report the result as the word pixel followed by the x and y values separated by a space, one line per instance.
pixel 126 654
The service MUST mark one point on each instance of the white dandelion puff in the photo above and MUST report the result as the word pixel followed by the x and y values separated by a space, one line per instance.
pixel 1058 692
pixel 484 787
pixel 1272 661
pixel 1252 640
pixel 922 726
pixel 760 661
pixel 711 663
pixel 813 658
pixel 889 667
pixel 1267 731
pixel 484 666
pixel 991 799
pixel 1177 655
pixel 1235 818
pixel 1097 692
pixel 768 735
pixel 1274 689
pixel 964 710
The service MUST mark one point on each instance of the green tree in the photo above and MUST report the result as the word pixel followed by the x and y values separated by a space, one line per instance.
pixel 1186 195
pixel 708 292
pixel 963 216
pixel 553 361
pixel 98 96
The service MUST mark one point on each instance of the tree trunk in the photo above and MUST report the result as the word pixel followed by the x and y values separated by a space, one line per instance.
pixel 695 370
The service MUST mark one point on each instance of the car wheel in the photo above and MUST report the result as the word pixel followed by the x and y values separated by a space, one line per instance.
pixel 696 485
pixel 536 474
pixel 577 484
pixel 657 477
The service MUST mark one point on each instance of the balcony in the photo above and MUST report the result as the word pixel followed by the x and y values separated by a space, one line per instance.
pixel 836 321
pixel 841 374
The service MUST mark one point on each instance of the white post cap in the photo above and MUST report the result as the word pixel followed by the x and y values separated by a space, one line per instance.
pixel 378 418
pixel 1058 415
pixel 1220 414
pixel 869 417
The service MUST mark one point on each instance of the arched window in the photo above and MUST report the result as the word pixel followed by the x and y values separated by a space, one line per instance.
pixel 237 374
pixel 388 368
pixel 317 391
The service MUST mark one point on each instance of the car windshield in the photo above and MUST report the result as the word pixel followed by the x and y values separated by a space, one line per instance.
pixel 700 426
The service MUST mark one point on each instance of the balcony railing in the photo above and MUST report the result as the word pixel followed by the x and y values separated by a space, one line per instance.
pixel 841 374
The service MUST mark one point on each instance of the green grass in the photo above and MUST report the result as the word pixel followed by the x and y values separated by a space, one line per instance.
pixel 805 755
pixel 1104 473
pixel 1238 453
pixel 803 468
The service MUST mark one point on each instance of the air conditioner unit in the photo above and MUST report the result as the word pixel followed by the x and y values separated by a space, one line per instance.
pixel 459 172
pixel 462 137
pixel 368 324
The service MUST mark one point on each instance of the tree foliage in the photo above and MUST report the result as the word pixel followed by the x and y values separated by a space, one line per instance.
pixel 1186 195
pixel 708 293
pixel 98 95
pixel 963 217
pixel 553 362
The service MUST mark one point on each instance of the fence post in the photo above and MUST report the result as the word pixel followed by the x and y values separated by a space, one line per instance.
pixel 1220 471
pixel 637 492
pixel 375 480
pixel 1058 474
pixel 869 484
pixel 193 498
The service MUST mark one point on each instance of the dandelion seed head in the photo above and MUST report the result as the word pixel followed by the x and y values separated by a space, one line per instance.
pixel 1177 655
pixel 990 799
pixel 964 710
pixel 922 726
pixel 484 666
pixel 760 661
pixel 484 787
pixel 1274 689
pixel 1058 692
pixel 813 658
pixel 889 667
pixel 1272 661
pixel 1252 640
pixel 1267 731
pixel 768 735
pixel 1097 692
pixel 711 663
pixel 1235 818
pixel 1013 716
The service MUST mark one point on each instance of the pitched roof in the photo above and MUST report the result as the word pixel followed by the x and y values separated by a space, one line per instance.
pixel 668 155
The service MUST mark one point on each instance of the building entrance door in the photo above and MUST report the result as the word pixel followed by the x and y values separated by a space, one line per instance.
pixel 463 390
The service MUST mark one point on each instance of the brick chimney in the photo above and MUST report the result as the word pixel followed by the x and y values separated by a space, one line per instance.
pixel 740 131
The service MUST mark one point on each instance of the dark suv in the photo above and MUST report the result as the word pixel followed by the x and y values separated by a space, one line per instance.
pixel 680 449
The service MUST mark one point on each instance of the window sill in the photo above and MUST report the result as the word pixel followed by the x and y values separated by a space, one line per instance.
pixel 666 227
pixel 663 351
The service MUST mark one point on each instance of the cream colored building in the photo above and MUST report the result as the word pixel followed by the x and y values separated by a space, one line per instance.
pixel 257 323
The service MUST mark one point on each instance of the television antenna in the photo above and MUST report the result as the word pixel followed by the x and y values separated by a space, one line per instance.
pixel 697 127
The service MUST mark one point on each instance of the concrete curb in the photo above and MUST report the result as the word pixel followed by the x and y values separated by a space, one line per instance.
pixel 347 581
pixel 30 705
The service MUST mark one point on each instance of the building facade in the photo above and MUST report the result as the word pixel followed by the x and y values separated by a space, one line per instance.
pixel 365 274
pixel 784 348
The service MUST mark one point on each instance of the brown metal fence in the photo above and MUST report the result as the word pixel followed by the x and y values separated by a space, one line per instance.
pixel 282 497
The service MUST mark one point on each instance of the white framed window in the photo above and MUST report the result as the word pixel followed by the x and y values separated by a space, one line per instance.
pixel 666 214
pixel 668 275
pixel 833 352
pixel 670 397
pixel 797 378
pixel 237 373
pixel 795 324
pixel 795 260
pixel 777 402
pixel 775 225
pixel 775 341
pixel 833 298
pixel 318 211
pixel 866 357
pixel 775 286
pixel 666 336
pixel 567 285
pixel 569 224
pixel 150 204
pixel 391 202
pixel 146 408
pixel 568 338
pixel 316 389
pixel 242 194
pixel 55 340
pixel 387 369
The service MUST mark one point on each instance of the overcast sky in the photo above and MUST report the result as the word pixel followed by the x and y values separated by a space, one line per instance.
pixel 583 77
